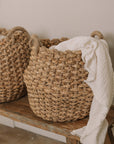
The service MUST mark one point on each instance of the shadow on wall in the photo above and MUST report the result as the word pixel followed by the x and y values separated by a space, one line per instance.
pixel 110 39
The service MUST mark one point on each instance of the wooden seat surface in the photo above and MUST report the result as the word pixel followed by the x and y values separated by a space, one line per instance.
pixel 20 111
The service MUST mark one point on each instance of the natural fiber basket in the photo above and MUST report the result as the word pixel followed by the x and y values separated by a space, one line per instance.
pixel 55 83
pixel 14 58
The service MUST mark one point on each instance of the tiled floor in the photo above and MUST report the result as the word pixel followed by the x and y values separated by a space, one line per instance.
pixel 18 136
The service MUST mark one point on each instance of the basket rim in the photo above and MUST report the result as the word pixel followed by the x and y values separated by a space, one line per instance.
pixel 37 46
pixel 8 33
pixel 48 49
pixel 36 43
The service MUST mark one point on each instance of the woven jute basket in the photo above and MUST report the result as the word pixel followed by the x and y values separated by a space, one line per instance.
pixel 55 83
pixel 14 58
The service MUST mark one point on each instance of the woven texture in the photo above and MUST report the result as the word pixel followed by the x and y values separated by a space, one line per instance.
pixel 55 84
pixel 48 43
pixel 14 57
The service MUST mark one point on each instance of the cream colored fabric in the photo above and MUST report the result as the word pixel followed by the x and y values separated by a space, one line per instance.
pixel 95 54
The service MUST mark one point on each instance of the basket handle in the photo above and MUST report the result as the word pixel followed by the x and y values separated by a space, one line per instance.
pixel 18 28
pixel 3 31
pixel 35 44
pixel 97 33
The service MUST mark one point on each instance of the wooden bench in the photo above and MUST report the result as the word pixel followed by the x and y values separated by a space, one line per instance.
pixel 20 111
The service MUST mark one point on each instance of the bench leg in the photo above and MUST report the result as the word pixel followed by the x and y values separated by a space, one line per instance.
pixel 71 141
pixel 109 137
pixel 111 134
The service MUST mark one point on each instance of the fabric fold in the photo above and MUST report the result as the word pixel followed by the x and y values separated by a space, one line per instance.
pixel 95 54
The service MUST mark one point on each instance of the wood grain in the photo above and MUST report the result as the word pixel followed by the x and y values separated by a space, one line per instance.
pixel 71 141
pixel 18 136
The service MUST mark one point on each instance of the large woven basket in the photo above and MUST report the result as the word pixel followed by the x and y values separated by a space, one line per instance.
pixel 55 83
pixel 14 58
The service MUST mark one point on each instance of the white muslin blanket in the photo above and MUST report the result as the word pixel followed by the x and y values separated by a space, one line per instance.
pixel 95 54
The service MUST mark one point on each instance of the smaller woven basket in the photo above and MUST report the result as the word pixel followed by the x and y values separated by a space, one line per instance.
pixel 14 58
pixel 55 83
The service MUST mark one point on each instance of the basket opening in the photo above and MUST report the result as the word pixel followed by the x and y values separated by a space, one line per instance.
pixel 48 43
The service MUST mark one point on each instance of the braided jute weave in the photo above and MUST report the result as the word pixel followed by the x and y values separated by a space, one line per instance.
pixel 55 84
pixel 14 58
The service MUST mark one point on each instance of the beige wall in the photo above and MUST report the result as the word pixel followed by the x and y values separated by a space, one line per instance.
pixel 56 18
